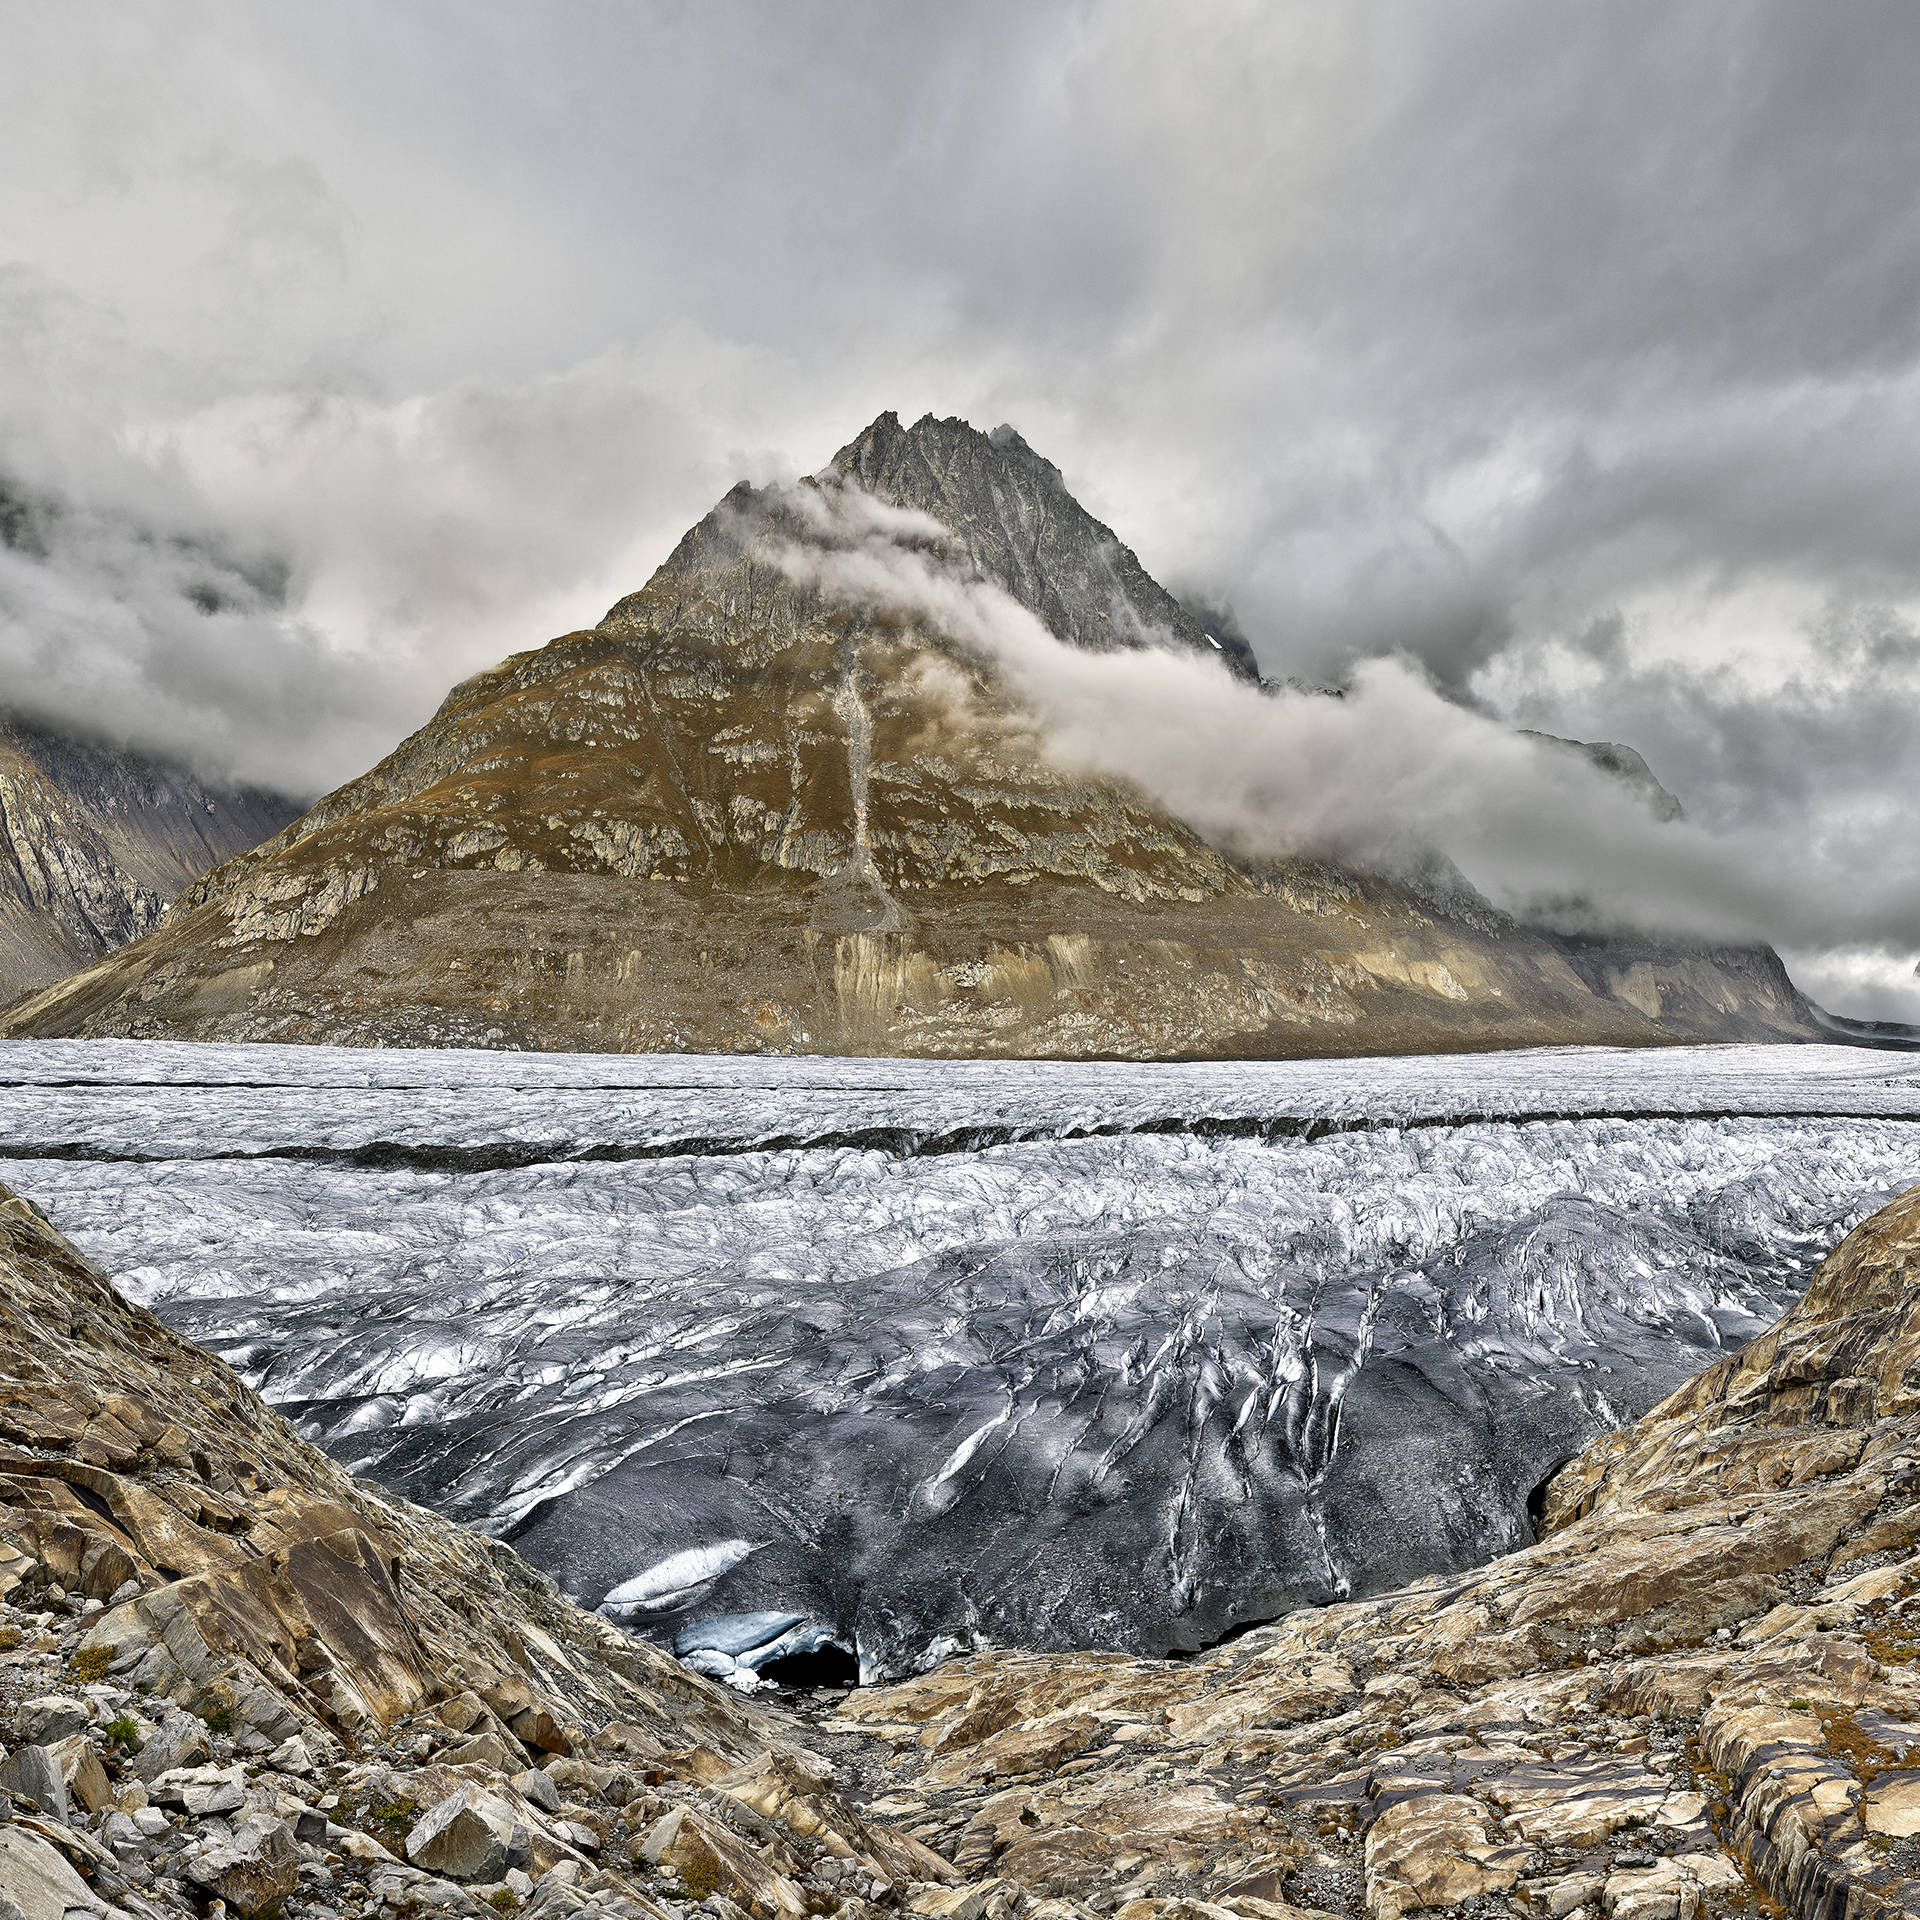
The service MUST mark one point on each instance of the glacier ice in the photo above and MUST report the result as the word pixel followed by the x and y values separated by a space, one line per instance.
pixel 675 1583
pixel 916 1354
pixel 743 1649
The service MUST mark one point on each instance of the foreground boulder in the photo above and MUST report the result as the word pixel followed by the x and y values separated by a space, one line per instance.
pixel 255 1872
pixel 36 1879
pixel 457 1839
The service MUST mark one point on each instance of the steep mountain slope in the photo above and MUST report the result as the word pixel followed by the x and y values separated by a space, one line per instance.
pixel 94 843
pixel 776 800
pixel 230 1672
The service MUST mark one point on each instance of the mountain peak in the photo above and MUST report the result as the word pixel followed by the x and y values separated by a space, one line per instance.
pixel 1624 764
pixel 1009 509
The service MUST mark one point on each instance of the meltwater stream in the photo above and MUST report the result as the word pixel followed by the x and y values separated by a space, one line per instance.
pixel 907 1356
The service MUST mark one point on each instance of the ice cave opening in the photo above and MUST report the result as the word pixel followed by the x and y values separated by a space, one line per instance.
pixel 827 1667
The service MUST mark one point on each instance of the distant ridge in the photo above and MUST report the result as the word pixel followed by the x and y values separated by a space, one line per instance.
pixel 95 841
pixel 1894 1035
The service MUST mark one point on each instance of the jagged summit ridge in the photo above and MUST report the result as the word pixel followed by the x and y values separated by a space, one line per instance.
pixel 1008 518
pixel 1010 510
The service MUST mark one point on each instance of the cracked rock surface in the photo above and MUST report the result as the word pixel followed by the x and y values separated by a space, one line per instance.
pixel 233 1678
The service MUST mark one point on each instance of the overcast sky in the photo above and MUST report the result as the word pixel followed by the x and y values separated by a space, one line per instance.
pixel 1573 351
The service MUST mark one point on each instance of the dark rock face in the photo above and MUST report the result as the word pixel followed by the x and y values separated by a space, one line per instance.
pixel 96 841
pixel 1019 526
pixel 1626 766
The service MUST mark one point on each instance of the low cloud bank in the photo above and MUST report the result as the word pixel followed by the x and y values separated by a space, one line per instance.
pixel 275 587
pixel 1390 774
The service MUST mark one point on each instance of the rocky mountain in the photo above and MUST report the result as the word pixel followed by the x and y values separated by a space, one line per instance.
pixel 1625 765
pixel 95 842
pixel 233 1680
pixel 779 798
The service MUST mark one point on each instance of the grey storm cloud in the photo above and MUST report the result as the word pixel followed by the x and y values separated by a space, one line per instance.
pixel 1571 354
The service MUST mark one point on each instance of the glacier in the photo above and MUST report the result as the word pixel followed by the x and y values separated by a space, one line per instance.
pixel 907 1356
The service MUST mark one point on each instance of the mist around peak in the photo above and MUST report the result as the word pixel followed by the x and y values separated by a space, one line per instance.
pixel 1568 835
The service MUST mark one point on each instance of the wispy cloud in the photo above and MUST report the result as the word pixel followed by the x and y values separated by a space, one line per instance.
pixel 1384 776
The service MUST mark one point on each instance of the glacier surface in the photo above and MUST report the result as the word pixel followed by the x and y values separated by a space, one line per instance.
pixel 920 1354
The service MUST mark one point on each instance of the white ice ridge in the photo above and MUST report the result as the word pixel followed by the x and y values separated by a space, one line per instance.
pixel 183 1100
pixel 949 1343
pixel 678 1573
